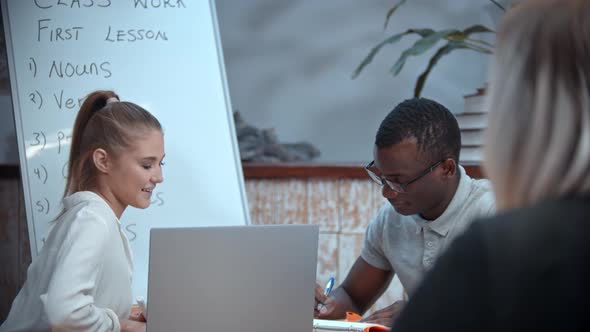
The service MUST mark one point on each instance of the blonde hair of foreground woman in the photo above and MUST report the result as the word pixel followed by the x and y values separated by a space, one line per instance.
pixel 537 145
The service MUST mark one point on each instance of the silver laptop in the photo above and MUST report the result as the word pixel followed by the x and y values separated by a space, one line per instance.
pixel 232 278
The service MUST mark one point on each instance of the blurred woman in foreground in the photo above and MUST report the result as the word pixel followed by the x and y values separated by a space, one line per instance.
pixel 528 266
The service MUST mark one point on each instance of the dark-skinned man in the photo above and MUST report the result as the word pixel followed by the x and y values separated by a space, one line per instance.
pixel 430 198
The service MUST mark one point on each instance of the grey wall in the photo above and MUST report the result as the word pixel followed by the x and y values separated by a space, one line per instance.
pixel 289 65
pixel 8 146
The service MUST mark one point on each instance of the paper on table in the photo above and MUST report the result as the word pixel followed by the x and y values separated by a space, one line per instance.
pixel 337 325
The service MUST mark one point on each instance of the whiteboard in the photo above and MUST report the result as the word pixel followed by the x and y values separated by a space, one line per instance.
pixel 162 55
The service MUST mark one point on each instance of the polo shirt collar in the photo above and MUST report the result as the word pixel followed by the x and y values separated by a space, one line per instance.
pixel 445 221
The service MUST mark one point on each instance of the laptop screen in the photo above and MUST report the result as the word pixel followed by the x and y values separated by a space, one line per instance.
pixel 233 278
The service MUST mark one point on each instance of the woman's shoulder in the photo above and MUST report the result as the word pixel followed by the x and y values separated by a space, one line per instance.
pixel 87 206
pixel 85 199
pixel 555 213
pixel 553 226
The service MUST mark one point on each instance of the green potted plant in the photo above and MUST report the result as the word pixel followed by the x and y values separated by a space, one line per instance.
pixel 455 40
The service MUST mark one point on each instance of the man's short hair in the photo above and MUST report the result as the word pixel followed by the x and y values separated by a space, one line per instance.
pixel 433 125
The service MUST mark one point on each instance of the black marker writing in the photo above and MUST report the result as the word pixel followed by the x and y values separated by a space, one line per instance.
pixel 46 4
pixel 63 69
pixel 130 228
pixel 160 4
pixel 69 103
pixel 158 200
pixel 57 33
pixel 132 35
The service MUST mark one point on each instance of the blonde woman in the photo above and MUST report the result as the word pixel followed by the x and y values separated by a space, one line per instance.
pixel 81 280
pixel 526 268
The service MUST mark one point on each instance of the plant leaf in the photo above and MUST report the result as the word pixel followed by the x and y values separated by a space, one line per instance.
pixel 391 11
pixel 419 47
pixel 477 48
pixel 433 61
pixel 390 40
pixel 482 42
pixel 478 28
pixel 460 36
pixel 456 36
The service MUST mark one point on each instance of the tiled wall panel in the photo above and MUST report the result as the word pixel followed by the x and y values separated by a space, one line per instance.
pixel 355 202
pixel 291 202
pixel 323 204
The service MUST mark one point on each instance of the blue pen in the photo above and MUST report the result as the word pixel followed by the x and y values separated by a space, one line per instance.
pixel 329 286
pixel 327 291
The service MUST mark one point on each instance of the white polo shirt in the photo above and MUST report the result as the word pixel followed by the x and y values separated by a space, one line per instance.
pixel 409 245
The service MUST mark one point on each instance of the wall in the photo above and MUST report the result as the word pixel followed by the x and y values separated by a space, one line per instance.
pixel 289 66
pixel 15 252
pixel 8 146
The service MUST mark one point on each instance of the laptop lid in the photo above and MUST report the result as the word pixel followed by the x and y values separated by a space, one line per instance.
pixel 232 278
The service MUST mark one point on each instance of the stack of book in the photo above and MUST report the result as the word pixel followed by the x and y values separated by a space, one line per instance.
pixel 472 122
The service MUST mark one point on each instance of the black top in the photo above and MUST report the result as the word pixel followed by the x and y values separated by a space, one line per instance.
pixel 528 269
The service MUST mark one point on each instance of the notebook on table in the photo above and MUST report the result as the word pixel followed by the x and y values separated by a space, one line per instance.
pixel 350 323
pixel 336 325
pixel 232 278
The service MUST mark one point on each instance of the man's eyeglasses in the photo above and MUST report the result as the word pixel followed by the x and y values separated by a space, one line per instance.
pixel 398 187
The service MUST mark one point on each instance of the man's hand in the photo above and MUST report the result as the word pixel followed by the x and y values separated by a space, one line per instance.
pixel 323 306
pixel 386 315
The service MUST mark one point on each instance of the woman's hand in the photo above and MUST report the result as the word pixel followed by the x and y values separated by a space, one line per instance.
pixel 128 325
pixel 137 316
